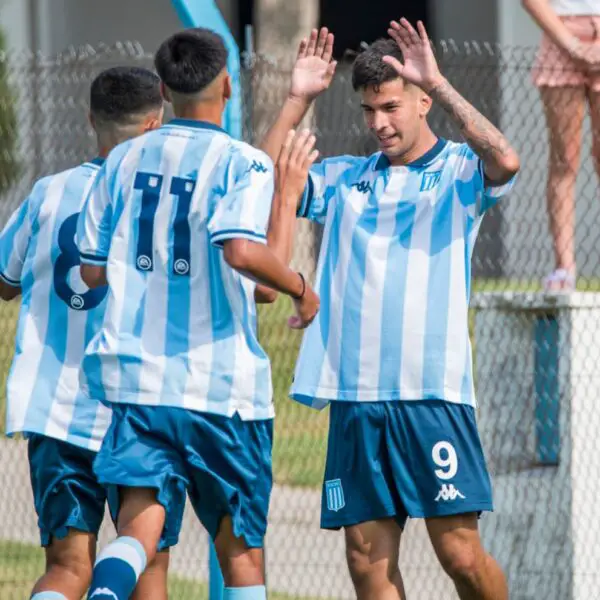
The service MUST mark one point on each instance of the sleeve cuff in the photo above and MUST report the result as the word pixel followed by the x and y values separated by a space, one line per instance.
pixel 218 238
pixel 497 191
pixel 9 281
pixel 304 208
pixel 93 259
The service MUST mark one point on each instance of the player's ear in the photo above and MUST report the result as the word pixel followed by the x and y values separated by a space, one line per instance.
pixel 154 120
pixel 227 87
pixel 165 92
pixel 425 103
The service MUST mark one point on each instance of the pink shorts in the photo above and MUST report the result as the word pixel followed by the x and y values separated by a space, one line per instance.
pixel 554 68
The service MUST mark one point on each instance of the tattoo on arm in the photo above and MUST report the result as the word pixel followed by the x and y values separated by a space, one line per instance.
pixel 485 139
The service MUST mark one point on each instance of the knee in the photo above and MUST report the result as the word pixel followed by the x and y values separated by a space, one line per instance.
pixel 71 565
pixel 463 562
pixel 367 569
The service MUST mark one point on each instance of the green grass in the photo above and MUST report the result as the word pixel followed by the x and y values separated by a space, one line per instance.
pixel 22 564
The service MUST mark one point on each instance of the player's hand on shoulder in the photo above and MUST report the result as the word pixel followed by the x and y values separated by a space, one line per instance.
pixel 314 67
pixel 420 66
pixel 307 307
pixel 297 156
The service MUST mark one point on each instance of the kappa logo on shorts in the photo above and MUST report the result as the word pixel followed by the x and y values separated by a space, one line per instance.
pixel 448 492
pixel 335 495
pixel 104 592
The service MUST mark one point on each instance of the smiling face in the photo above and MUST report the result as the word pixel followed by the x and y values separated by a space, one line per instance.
pixel 395 112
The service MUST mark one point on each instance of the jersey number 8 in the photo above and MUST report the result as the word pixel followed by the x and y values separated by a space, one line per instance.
pixel 150 184
pixel 67 260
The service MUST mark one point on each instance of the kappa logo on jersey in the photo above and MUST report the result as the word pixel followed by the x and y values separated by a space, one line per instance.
pixel 363 187
pixel 335 495
pixel 430 180
pixel 448 493
pixel 258 167
pixel 104 592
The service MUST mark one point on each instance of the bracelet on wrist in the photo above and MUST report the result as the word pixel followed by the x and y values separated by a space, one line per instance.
pixel 301 294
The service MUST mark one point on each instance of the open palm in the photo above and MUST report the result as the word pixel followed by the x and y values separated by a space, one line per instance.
pixel 420 66
pixel 314 68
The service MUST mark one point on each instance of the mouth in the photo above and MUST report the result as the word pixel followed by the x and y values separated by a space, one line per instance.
pixel 385 141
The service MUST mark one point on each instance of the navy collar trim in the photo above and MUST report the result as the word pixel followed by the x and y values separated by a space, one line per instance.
pixel 383 162
pixel 98 161
pixel 196 124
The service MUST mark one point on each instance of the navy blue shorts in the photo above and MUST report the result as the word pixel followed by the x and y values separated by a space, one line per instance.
pixel 66 493
pixel 223 463
pixel 402 459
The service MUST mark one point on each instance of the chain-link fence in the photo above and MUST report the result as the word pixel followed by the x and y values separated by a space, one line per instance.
pixel 536 355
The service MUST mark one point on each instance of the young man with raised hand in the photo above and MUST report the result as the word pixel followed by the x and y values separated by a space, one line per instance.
pixel 390 349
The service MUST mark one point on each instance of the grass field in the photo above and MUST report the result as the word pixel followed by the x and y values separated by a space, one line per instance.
pixel 21 565
pixel 300 432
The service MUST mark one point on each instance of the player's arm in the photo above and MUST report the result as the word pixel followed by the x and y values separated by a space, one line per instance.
pixel 14 242
pixel 94 230
pixel 312 74
pixel 291 173
pixel 500 161
pixel 239 225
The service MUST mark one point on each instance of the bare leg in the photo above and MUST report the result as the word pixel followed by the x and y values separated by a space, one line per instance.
pixel 476 575
pixel 565 110
pixel 372 552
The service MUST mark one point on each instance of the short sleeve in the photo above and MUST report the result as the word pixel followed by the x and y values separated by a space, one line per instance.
pixel 244 208
pixel 94 226
pixel 476 196
pixel 322 185
pixel 14 242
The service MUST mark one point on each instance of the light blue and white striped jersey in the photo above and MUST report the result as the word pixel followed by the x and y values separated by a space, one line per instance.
pixel 394 277
pixel 180 326
pixel 58 314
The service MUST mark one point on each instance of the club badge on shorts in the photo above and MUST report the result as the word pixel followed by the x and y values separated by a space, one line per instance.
pixel 335 495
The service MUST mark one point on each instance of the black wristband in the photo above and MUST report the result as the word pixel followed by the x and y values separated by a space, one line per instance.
pixel 301 295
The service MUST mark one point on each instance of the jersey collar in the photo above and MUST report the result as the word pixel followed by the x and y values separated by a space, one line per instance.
pixel 383 162
pixel 196 124
pixel 98 161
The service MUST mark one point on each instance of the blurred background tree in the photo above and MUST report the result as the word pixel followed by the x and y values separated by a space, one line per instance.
pixel 9 165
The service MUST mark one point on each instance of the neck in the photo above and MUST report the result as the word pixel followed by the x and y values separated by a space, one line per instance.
pixel 104 150
pixel 426 142
pixel 208 112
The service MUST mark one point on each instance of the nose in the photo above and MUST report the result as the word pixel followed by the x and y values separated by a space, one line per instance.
pixel 379 121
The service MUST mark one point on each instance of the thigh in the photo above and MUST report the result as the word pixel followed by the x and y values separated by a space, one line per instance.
pixel 437 458
pixel 358 485
pixel 140 452
pixel 564 108
pixel 66 492
pixel 228 462
pixel 376 541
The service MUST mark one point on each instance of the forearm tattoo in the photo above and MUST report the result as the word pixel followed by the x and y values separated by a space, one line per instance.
pixel 485 139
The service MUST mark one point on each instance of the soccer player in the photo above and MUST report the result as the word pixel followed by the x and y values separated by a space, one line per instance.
pixel 58 316
pixel 390 347
pixel 176 225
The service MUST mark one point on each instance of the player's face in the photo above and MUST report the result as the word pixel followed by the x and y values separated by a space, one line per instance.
pixel 395 114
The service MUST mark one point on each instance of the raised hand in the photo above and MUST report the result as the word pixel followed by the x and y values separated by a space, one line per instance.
pixel 297 157
pixel 420 67
pixel 314 68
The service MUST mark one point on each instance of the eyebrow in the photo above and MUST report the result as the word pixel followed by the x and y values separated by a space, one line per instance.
pixel 386 105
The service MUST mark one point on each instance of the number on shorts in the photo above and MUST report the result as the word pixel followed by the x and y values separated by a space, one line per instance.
pixel 444 456
pixel 150 184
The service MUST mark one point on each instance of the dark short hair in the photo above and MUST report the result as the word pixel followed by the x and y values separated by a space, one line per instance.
pixel 120 92
pixel 190 60
pixel 369 68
